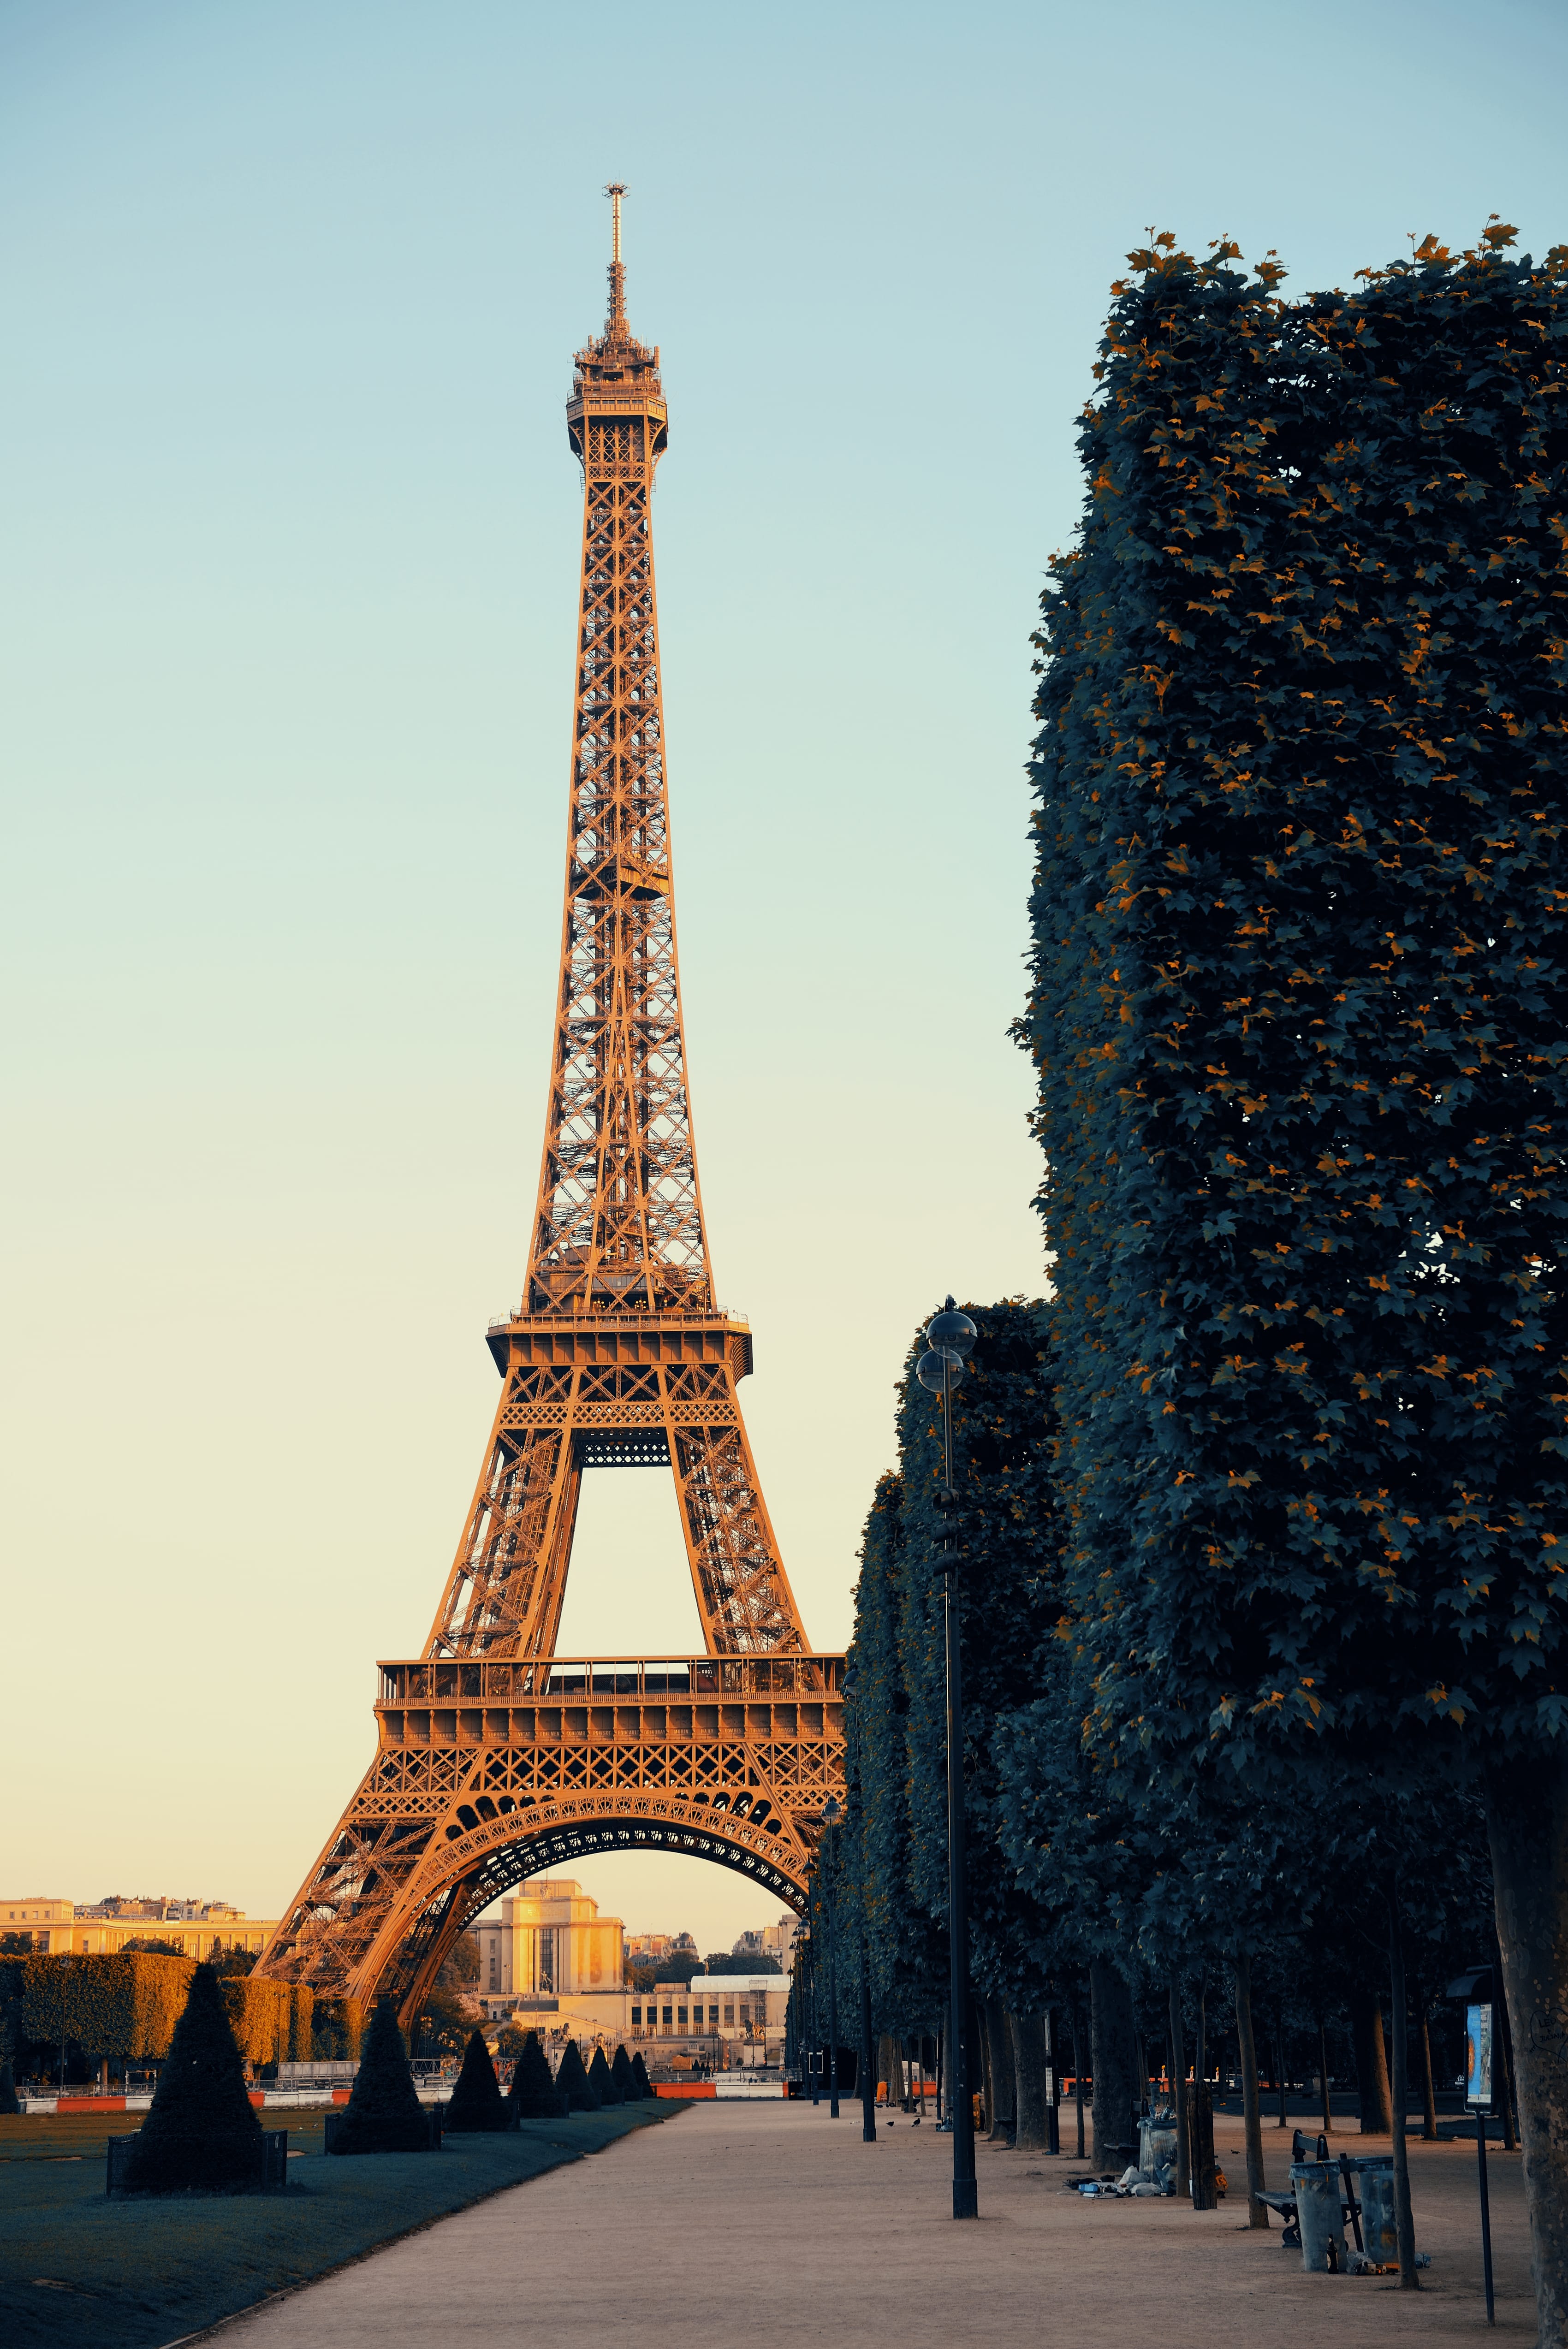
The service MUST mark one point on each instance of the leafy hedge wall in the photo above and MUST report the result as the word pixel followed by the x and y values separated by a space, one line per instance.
pixel 121 2006
pixel 126 2004
pixel 1300 1008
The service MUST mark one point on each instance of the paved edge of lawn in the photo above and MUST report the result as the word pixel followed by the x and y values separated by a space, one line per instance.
pixel 635 2118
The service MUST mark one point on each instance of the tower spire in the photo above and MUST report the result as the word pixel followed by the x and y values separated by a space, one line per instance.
pixel 617 319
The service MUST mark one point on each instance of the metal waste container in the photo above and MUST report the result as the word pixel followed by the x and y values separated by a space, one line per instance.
pixel 1375 2186
pixel 1156 2144
pixel 1315 2185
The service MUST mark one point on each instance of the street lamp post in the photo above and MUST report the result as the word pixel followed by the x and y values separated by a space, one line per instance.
pixel 948 1337
pixel 831 1815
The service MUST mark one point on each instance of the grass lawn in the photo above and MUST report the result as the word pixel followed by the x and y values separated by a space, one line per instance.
pixel 79 2272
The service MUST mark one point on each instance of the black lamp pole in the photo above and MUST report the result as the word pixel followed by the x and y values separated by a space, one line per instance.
pixel 949 1337
pixel 830 1817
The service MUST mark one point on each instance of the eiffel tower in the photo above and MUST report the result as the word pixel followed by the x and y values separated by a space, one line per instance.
pixel 496 1757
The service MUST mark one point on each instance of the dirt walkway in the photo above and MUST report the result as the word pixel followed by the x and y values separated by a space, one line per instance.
pixel 771 2224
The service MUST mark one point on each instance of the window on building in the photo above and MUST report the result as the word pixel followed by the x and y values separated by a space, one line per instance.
pixel 670 2018
pixel 730 2012
pixel 637 2018
pixel 745 2017
pixel 680 2013
pixel 712 2018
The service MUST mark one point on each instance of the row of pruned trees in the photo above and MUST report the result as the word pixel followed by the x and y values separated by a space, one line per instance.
pixel 1265 1603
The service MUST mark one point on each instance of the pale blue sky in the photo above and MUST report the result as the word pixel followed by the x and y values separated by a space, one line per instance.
pixel 289 533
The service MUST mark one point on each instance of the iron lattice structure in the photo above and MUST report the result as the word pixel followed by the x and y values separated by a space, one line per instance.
pixel 496 1757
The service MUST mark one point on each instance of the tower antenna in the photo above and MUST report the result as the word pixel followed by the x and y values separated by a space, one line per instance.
pixel 616 190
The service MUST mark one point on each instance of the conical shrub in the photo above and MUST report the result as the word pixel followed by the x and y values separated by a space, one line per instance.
pixel 383 2114
pixel 476 2101
pixel 533 2096
pixel 201 2135
pixel 625 2088
pixel 573 2083
pixel 10 2101
pixel 599 2079
pixel 640 2075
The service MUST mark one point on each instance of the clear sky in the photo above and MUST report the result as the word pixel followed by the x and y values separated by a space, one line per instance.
pixel 288 537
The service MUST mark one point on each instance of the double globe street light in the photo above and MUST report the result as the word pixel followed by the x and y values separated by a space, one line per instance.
pixel 949 1337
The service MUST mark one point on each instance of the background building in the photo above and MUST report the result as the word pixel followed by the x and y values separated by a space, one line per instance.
pixel 720 2019
pixel 550 1959
pixel 771 1942
pixel 193 1929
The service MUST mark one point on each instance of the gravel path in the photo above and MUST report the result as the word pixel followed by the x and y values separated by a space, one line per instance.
pixel 772 2223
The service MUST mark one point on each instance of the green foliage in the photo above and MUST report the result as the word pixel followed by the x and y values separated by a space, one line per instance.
pixel 201 2135
pixel 599 2079
pixel 533 2096
pixel 627 2091
pixel 510 2039
pixel 640 2075
pixel 724 1962
pixel 270 2020
pixel 443 2023
pixel 1298 1009
pixel 116 2006
pixel 338 2029
pixel 896 1733
pixel 232 1961
pixel 572 2083
pixel 383 2114
pixel 9 2100
pixel 476 2100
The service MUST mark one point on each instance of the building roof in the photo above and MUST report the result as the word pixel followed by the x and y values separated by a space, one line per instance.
pixel 740 1981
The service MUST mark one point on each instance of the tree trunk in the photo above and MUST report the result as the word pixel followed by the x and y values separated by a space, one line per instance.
pixel 1279 2038
pixel 1029 2082
pixel 1404 2224
pixel 1253 2119
pixel 1178 2089
pixel 1371 2068
pixel 1527 1818
pixel 1323 2076
pixel 1073 2027
pixel 979 2035
pixel 1003 2119
pixel 1113 2058
pixel 1504 2100
pixel 1429 2091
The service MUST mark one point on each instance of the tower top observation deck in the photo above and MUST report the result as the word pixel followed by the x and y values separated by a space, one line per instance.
pixel 614 373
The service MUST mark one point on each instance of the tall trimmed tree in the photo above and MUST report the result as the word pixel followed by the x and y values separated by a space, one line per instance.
pixel 572 2083
pixel 384 2113
pixel 533 2096
pixel 476 2101
pixel 201 2135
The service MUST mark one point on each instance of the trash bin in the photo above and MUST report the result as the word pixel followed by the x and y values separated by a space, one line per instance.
pixel 1156 2143
pixel 1374 2185
pixel 1315 2185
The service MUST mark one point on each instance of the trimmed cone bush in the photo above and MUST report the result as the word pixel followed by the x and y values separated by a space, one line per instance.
pixel 640 2075
pixel 383 2114
pixel 533 2096
pixel 599 2079
pixel 625 2088
pixel 201 2135
pixel 572 2082
pixel 476 2101
pixel 10 2101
